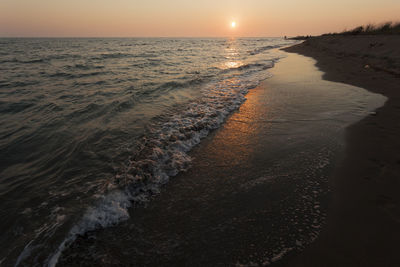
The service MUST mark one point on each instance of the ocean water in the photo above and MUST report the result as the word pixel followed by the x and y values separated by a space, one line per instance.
pixel 89 127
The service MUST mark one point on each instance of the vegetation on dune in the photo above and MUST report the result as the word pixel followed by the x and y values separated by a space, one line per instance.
pixel 373 29
pixel 387 28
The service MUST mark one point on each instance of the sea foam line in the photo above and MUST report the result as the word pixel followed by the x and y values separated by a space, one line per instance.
pixel 162 156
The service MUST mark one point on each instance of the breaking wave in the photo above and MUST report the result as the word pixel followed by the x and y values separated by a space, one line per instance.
pixel 110 122
pixel 162 154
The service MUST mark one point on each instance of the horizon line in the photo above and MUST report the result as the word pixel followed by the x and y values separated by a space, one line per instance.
pixel 181 37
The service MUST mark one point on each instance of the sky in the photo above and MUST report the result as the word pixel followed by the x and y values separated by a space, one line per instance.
pixel 188 18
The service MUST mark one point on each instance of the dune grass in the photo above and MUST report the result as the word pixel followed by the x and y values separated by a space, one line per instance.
pixel 387 28
pixel 374 29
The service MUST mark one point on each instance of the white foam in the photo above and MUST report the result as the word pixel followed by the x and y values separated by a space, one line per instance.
pixel 163 155
pixel 280 255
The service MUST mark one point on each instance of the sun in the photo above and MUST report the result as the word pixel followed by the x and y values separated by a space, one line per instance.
pixel 233 24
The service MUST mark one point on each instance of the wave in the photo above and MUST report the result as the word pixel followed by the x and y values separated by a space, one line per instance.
pixel 124 55
pixel 114 55
pixel 258 65
pixel 84 67
pixel 32 61
pixel 160 155
pixel 21 61
pixel 63 56
pixel 163 152
pixel 45 59
pixel 5 84
pixel 14 107
pixel 263 66
pixel 262 49
pixel 173 84
pixel 75 76
pixel 144 65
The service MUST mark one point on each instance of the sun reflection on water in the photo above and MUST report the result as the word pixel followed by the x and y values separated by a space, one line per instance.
pixel 232 64
pixel 231 53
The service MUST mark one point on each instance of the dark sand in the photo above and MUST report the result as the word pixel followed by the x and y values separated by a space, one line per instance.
pixel 363 225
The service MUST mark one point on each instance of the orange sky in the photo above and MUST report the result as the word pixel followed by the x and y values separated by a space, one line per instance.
pixel 185 18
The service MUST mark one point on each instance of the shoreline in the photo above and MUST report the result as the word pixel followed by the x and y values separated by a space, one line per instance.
pixel 363 220
pixel 255 185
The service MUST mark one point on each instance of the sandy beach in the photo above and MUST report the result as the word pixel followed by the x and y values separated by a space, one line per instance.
pixel 258 187
pixel 200 133
pixel 364 216
pixel 302 173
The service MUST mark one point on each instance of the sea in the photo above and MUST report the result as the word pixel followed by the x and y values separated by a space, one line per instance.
pixel 92 128
pixel 89 126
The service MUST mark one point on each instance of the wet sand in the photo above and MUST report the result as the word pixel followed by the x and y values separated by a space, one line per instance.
pixel 363 224
pixel 258 187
